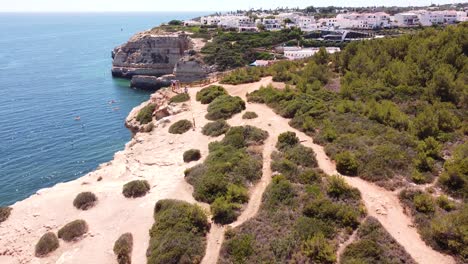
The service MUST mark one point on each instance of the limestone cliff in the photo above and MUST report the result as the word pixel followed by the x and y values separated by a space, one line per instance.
pixel 153 60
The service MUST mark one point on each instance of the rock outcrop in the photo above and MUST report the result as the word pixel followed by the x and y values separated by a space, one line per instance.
pixel 152 61
pixel 163 109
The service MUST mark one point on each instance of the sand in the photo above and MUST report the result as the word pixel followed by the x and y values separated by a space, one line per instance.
pixel 157 157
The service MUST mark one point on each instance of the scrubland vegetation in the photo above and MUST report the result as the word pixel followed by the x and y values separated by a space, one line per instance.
pixel 180 127
pixel 398 117
pixel 216 128
pixel 136 188
pixel 73 230
pixel 85 200
pixel 46 244
pixel 401 102
pixel 441 222
pixel 180 98
pixel 374 244
pixel 208 94
pixel 146 114
pixel 231 165
pixel 178 234
pixel 230 50
pixel 303 213
pixel 224 107
pixel 123 248
pixel 4 213
pixel 191 155
pixel 249 115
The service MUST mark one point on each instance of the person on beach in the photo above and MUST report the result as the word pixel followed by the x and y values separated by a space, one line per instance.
pixel 186 90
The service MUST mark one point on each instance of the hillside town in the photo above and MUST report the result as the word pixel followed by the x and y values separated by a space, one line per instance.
pixel 344 19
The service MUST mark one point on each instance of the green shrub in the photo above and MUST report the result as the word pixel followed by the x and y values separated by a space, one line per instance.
pixel 449 232
pixel 280 191
pixel 373 244
pixel 454 178
pixel 5 213
pixel 85 200
pixel 146 114
pixel 301 156
pixel 445 203
pixel 325 209
pixel 178 233
pixel 346 163
pixel 136 188
pixel 424 203
pixel 318 249
pixel 224 107
pixel 224 211
pixel 241 248
pixel 47 243
pixel 123 247
pixel 249 115
pixel 243 136
pixel 216 128
pixel 192 155
pixel 180 127
pixel 208 94
pixel 180 98
pixel 338 188
pixel 244 75
pixel 73 230
pixel 287 140
pixel 419 177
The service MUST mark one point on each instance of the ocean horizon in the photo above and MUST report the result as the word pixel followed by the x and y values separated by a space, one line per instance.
pixel 61 112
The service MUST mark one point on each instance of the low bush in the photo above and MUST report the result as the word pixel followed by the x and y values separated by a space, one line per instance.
pixel 47 243
pixel 146 114
pixel 224 107
pixel 374 244
pixel 208 94
pixel 241 248
pixel 445 203
pixel 4 213
pixel 123 247
pixel 192 155
pixel 424 203
pixel 229 168
pixel 346 163
pixel 73 230
pixel 85 200
pixel 216 128
pixel 249 115
pixel 180 98
pixel 338 188
pixel 318 249
pixel 454 178
pixel 287 140
pixel 224 211
pixel 178 234
pixel 244 75
pixel 137 188
pixel 180 127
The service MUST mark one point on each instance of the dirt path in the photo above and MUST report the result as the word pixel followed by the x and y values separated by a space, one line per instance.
pixel 345 244
pixel 380 203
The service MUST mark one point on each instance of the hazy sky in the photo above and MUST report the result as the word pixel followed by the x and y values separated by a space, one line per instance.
pixel 187 5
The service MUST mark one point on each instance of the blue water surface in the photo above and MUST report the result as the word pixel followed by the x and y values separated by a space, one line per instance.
pixel 54 68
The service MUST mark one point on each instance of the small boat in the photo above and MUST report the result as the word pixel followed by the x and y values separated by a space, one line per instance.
pixel 77 118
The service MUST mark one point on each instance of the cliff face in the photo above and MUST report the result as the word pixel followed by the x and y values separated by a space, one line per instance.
pixel 146 55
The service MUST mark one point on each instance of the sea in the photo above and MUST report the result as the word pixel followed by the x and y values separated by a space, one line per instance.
pixel 61 112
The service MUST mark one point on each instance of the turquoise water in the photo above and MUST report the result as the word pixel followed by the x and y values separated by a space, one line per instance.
pixel 54 67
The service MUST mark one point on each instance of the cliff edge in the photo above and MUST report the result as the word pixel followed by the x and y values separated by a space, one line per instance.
pixel 153 60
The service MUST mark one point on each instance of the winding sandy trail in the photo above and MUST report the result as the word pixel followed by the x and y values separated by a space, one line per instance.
pixel 382 204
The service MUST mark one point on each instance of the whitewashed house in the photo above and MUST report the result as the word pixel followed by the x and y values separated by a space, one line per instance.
pixel 272 24
pixel 407 19
pixel 210 20
pixel 461 16
pixel 297 53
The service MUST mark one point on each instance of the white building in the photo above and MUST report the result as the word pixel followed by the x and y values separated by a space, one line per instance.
pixel 461 16
pixel 429 18
pixel 297 53
pixel 307 23
pixel 272 24
pixel 235 22
pixel 363 21
pixel 210 20
pixel 406 19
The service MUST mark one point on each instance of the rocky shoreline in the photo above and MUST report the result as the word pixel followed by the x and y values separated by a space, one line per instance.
pixel 152 61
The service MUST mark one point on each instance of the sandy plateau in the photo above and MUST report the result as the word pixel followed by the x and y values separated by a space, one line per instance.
pixel 157 157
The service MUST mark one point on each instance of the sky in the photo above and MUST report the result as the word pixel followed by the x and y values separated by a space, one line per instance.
pixel 188 5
